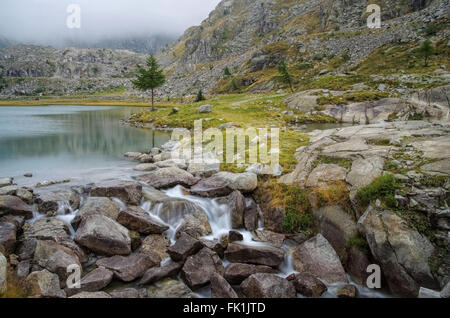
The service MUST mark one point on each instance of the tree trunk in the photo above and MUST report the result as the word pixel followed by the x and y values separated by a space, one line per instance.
pixel 153 101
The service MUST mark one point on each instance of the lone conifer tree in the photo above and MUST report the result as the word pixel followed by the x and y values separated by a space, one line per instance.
pixel 427 50
pixel 200 96
pixel 284 72
pixel 151 78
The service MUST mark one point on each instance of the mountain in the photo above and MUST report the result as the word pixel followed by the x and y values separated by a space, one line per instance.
pixel 250 36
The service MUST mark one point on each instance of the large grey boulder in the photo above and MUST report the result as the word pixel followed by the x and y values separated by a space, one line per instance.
pixel 365 170
pixel 263 285
pixel 239 253
pixel 168 177
pixel 13 205
pixel 195 224
pixel 402 252
pixel 94 281
pixel 99 205
pixel 223 183
pixel 128 192
pixel 44 284
pixel 128 268
pixel 205 109
pixel 102 235
pixel 317 257
pixel 236 273
pixel 198 268
pixel 5 182
pixel 48 201
pixel 308 285
pixel 220 287
pixel 236 203
pixel 156 274
pixel 324 174
pixel 185 246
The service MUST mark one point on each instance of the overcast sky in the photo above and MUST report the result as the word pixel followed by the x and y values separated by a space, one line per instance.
pixel 44 21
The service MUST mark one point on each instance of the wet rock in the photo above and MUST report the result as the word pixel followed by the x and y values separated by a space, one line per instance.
pixel 220 287
pixel 234 236
pixel 137 219
pixel 48 201
pixel 44 284
pixel 9 190
pixel 317 257
pixel 5 182
pixel 145 158
pixel 238 253
pixel 347 291
pixel 212 187
pixel 15 206
pixel 102 235
pixel 128 268
pixel 156 274
pixel 169 288
pixel 25 195
pixel 7 237
pixel 308 285
pixel 96 295
pixel 236 273
pixel 357 263
pixel 129 293
pixel 168 177
pixel 94 281
pixel 401 251
pixel 445 293
pixel 198 268
pixel 3 273
pixel 185 246
pixel 146 167
pixel 28 175
pixel 132 155
pixel 176 163
pixel 215 246
pixel 55 258
pixel 324 174
pixel 274 239
pixel 155 243
pixel 364 171
pixel 251 215
pixel 428 293
pixel 23 269
pixel 267 286
pixel 236 202
pixel 128 192
pixel 195 225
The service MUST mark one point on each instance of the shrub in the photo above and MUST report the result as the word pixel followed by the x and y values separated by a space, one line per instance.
pixel 382 188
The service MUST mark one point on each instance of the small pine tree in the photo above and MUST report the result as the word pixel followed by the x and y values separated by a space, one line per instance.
pixel 234 85
pixel 200 96
pixel 427 50
pixel 285 75
pixel 226 71
pixel 151 78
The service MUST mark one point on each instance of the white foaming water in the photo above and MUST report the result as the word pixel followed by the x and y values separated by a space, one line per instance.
pixel 67 214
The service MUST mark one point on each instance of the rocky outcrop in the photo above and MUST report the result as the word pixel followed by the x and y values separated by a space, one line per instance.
pixel 168 177
pixel 401 251
pixel 239 253
pixel 267 286
pixel 48 201
pixel 102 235
pixel 324 174
pixel 95 205
pixel 128 192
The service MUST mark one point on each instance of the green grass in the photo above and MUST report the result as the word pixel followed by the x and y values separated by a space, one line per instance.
pixel 358 242
pixel 382 188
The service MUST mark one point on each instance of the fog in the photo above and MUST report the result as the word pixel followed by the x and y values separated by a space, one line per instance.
pixel 45 21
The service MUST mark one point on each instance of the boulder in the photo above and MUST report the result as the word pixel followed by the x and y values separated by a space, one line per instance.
pixel 198 268
pixel 308 285
pixel 155 243
pixel 49 201
pixel 128 268
pixel 95 295
pixel 132 155
pixel 44 284
pixel 177 163
pixel 156 274
pixel 264 285
pixel 274 239
pixel 212 187
pixel 236 273
pixel 215 245
pixel 15 206
pixel 195 224
pixel 7 237
pixel 364 171
pixel 445 292
pixel 185 246
pixel 236 203
pixel 102 235
pixel 5 182
pixel 317 257
pixel 145 167
pixel 324 174
pixel 235 236
pixel 205 109
pixel 94 281
pixel 128 192
pixel 402 252
pixel 220 287
pixel 99 205
pixel 261 170
pixel 347 291
pixel 428 293
pixel 437 168
pixel 145 158
pixel 251 216
pixel 25 195
pixel 55 258
pixel 137 219
pixel 245 182
pixel 169 288
pixel 239 253
pixel 168 177
pixel 9 190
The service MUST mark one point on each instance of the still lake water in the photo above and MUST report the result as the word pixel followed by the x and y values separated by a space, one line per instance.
pixel 69 141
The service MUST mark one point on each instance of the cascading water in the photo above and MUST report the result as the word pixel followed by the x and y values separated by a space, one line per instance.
pixel 219 217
